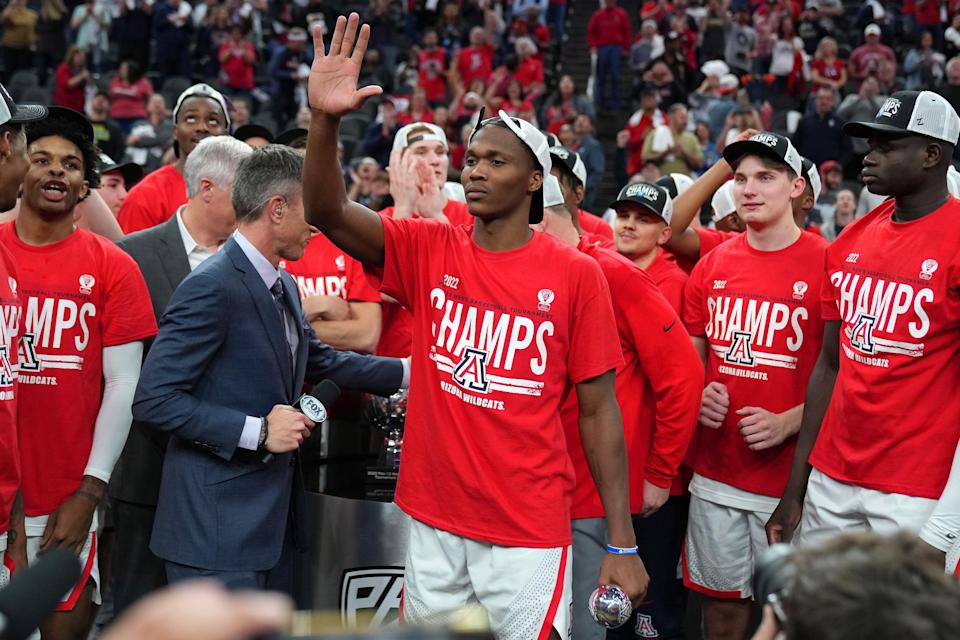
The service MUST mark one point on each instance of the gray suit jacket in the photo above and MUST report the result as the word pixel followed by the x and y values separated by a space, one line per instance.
pixel 163 261
pixel 222 355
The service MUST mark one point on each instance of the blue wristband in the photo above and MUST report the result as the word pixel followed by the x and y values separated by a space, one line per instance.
pixel 622 551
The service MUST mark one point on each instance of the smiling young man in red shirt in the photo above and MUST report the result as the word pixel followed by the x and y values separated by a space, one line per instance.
pixel 883 414
pixel 86 311
pixel 752 309
pixel 494 353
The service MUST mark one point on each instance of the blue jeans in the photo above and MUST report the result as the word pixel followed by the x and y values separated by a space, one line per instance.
pixel 606 89
pixel 556 17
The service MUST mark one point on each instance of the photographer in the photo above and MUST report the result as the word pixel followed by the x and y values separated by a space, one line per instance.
pixel 861 585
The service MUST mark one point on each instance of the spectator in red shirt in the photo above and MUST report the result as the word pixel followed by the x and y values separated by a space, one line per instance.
pixel 129 92
pixel 565 105
pixel 237 58
pixel 515 103
pixel 529 68
pixel 828 70
pixel 870 57
pixel 433 69
pixel 419 109
pixel 530 26
pixel 642 122
pixel 475 61
pixel 71 80
pixel 609 37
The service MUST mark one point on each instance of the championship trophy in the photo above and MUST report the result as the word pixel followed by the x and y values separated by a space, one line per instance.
pixel 388 415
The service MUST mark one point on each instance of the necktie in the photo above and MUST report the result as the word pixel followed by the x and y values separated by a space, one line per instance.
pixel 277 291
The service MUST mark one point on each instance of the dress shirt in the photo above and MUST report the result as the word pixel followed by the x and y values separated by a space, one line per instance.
pixel 195 253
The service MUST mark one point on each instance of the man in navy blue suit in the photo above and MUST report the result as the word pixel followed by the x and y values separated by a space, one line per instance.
pixel 233 351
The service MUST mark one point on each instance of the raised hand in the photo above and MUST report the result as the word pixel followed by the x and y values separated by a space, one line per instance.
pixel 332 85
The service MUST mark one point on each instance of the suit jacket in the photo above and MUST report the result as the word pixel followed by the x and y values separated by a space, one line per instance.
pixel 221 355
pixel 160 253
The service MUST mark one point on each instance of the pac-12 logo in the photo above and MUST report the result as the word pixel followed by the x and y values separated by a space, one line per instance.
pixel 740 352
pixel 927 268
pixel 371 596
pixel 471 372
pixel 341 262
pixel 545 298
pixel 861 336
pixel 13 285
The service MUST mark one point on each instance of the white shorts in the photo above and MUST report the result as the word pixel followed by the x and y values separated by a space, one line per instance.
pixel 722 547
pixel 832 507
pixel 91 570
pixel 526 592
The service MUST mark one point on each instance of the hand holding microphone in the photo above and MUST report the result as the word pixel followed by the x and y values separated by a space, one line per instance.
pixel 288 427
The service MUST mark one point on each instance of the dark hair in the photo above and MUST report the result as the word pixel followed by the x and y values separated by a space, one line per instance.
pixel 269 171
pixel 134 71
pixel 567 176
pixel 862 585
pixel 70 129
pixel 104 94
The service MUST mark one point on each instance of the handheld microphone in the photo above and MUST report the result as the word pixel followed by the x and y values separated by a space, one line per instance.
pixel 314 405
pixel 34 592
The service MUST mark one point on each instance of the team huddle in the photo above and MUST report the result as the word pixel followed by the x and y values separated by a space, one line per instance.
pixel 588 405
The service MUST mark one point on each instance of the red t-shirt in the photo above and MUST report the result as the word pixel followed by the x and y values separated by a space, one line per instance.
pixel 9 334
pixel 760 315
pixel 129 100
pixel 830 71
pixel 529 72
pixel 493 356
pixel 65 96
pixel 153 200
pixel 325 270
pixel 396 337
pixel 658 386
pixel 433 65
pixel 669 278
pixel 79 295
pixel 236 72
pixel 710 239
pixel 894 418
pixel 475 62
pixel 639 125
pixel 595 224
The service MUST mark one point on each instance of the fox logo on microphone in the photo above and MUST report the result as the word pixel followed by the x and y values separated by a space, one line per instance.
pixel 313 409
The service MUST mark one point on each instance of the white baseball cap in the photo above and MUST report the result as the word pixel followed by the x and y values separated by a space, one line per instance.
pixel 923 113
pixel 722 202
pixel 812 174
pixel 953 181
pixel 434 134
pixel 675 183
pixel 552 192
pixel 571 160
pixel 872 30
pixel 202 90
pixel 534 140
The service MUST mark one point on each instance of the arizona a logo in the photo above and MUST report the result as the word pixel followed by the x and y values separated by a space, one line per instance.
pixel 6 370
pixel 861 336
pixel 740 351
pixel 471 372
pixel 645 628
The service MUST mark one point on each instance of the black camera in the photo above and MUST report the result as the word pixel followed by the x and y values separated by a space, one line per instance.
pixel 773 576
